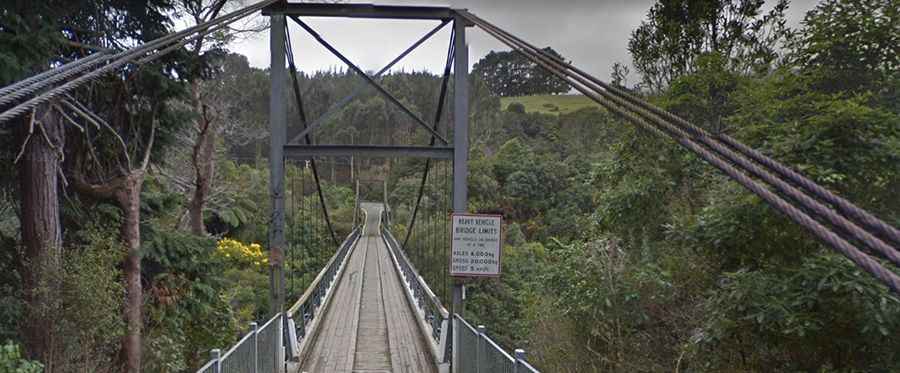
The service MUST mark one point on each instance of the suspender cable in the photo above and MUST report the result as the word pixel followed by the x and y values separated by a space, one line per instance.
pixel 296 86
pixel 445 80
pixel 292 233
pixel 640 117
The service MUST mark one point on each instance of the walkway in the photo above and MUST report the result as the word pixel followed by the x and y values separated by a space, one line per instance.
pixel 369 327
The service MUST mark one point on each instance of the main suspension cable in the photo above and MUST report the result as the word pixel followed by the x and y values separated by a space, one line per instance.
pixel 659 116
pixel 118 60
pixel 859 215
pixel 640 117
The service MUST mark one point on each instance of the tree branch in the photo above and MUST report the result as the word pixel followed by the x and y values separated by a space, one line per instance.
pixel 146 160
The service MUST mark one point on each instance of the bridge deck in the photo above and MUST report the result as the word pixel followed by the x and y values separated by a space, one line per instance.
pixel 369 326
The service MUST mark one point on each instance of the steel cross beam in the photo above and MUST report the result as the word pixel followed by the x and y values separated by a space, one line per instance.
pixel 360 11
pixel 346 100
pixel 298 151
pixel 369 79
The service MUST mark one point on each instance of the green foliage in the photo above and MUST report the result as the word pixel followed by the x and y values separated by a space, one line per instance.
pixel 547 104
pixel 677 268
pixel 511 74
pixel 11 303
pixel 852 46
pixel 12 361
pixel 90 324
pixel 189 307
pixel 842 140
pixel 675 33
pixel 622 252
pixel 704 96
pixel 823 313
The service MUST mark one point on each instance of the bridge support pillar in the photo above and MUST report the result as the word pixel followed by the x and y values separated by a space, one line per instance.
pixel 460 149
pixel 277 138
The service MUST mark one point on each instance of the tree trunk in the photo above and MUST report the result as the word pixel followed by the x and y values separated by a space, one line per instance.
pixel 203 152
pixel 41 233
pixel 129 199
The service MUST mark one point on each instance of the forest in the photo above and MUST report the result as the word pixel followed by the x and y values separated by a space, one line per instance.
pixel 134 212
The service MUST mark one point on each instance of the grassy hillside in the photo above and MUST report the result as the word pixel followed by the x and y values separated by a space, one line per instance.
pixel 550 104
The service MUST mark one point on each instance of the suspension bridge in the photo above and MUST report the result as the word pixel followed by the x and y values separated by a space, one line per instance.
pixel 386 303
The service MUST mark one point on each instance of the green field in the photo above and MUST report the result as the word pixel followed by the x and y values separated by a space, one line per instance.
pixel 550 104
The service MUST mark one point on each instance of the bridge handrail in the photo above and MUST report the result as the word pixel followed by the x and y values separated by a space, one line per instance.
pixel 312 286
pixel 257 351
pixel 432 313
pixel 317 294
pixel 432 297
pixel 488 355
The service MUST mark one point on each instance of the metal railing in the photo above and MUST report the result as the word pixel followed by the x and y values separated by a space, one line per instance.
pixel 302 316
pixel 259 351
pixel 475 352
pixel 432 314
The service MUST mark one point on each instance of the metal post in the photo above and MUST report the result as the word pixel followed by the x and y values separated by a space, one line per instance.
pixel 356 208
pixel 387 208
pixel 216 355
pixel 460 148
pixel 254 340
pixel 280 352
pixel 277 136
pixel 519 355
pixel 479 350
pixel 460 118
pixel 454 345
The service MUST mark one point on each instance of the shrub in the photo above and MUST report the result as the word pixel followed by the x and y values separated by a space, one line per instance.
pixel 12 361
pixel 242 254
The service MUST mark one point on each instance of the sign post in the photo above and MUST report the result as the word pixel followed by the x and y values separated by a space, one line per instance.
pixel 475 245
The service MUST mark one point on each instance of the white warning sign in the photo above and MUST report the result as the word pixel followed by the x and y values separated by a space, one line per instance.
pixel 475 245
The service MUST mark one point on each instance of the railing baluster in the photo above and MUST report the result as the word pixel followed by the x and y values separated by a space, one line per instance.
pixel 216 356
pixel 480 350
pixel 254 347
pixel 519 355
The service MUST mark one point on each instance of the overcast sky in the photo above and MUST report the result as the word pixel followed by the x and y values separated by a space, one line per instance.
pixel 591 33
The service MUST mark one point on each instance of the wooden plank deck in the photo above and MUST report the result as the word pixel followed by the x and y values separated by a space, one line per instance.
pixel 369 326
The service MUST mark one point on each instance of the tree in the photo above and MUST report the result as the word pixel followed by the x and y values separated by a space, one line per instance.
pixel 511 74
pixel 853 47
pixel 111 143
pixel 41 232
pixel 103 170
pixel 666 44
pixel 35 36
pixel 619 75
pixel 28 45
pixel 208 107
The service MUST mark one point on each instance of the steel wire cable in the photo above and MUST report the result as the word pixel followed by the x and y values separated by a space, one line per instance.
pixel 22 88
pixel 445 81
pixel 302 112
pixel 124 57
pixel 866 237
pixel 857 214
pixel 818 229
pixel 870 240
pixel 292 234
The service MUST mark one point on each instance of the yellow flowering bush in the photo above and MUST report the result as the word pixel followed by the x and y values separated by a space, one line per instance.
pixel 241 253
